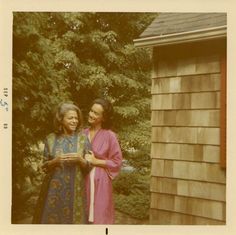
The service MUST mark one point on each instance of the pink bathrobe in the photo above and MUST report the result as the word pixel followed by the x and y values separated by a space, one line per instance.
pixel 105 146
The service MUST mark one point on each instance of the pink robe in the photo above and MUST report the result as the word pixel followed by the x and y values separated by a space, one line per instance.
pixel 105 146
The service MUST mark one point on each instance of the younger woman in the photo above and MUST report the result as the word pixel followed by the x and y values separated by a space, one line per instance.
pixel 106 159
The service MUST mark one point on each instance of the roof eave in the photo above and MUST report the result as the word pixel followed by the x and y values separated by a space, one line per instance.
pixel 190 36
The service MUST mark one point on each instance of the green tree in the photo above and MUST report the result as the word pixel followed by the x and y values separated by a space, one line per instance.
pixel 76 56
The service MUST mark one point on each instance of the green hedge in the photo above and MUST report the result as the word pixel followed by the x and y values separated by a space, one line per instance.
pixel 137 206
pixel 132 194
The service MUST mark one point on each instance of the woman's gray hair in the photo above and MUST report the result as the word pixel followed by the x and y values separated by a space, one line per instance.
pixel 62 109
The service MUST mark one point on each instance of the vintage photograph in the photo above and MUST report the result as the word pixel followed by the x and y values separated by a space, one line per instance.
pixel 119 118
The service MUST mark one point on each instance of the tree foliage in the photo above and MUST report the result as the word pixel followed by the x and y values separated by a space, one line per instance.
pixel 77 56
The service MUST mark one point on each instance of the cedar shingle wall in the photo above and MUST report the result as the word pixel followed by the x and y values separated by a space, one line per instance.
pixel 187 182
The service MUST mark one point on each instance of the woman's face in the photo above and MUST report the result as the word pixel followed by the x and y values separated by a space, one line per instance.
pixel 70 122
pixel 95 117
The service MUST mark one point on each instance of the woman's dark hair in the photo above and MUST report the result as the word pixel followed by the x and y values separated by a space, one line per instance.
pixel 107 112
pixel 62 109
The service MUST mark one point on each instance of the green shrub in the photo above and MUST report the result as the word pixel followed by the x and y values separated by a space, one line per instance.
pixel 122 184
pixel 136 206
pixel 132 194
pixel 131 182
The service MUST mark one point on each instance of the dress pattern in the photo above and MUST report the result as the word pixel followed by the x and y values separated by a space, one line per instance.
pixel 62 198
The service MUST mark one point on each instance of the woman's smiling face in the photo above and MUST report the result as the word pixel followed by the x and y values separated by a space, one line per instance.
pixel 96 115
pixel 70 122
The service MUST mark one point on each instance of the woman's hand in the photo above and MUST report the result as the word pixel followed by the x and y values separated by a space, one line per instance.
pixel 91 158
pixel 49 165
pixel 68 158
pixel 58 161
pixel 74 158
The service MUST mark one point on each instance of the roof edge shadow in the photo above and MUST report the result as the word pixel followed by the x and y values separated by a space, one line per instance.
pixel 176 38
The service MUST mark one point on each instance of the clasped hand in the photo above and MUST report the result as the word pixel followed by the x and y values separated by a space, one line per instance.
pixel 63 159
pixel 90 158
pixel 69 157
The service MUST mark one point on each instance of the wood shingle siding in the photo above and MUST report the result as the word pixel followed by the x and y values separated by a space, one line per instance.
pixel 191 135
pixel 187 66
pixel 186 152
pixel 186 101
pixel 189 188
pixel 192 83
pixel 187 180
pixel 188 183
pixel 174 218
pixel 207 172
pixel 187 205
pixel 198 118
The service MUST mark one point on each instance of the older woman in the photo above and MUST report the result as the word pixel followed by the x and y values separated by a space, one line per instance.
pixel 62 197
pixel 106 159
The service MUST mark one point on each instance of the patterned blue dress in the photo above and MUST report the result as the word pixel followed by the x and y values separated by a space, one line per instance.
pixel 62 199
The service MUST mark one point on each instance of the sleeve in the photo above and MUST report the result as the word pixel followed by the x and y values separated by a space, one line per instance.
pixel 87 147
pixel 48 146
pixel 114 161
pixel 46 151
pixel 46 157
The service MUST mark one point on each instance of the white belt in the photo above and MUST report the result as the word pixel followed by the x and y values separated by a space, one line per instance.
pixel 91 205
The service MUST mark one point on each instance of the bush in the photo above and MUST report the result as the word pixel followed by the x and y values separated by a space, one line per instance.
pixel 132 195
pixel 136 206
pixel 129 182
pixel 27 186
pixel 123 183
